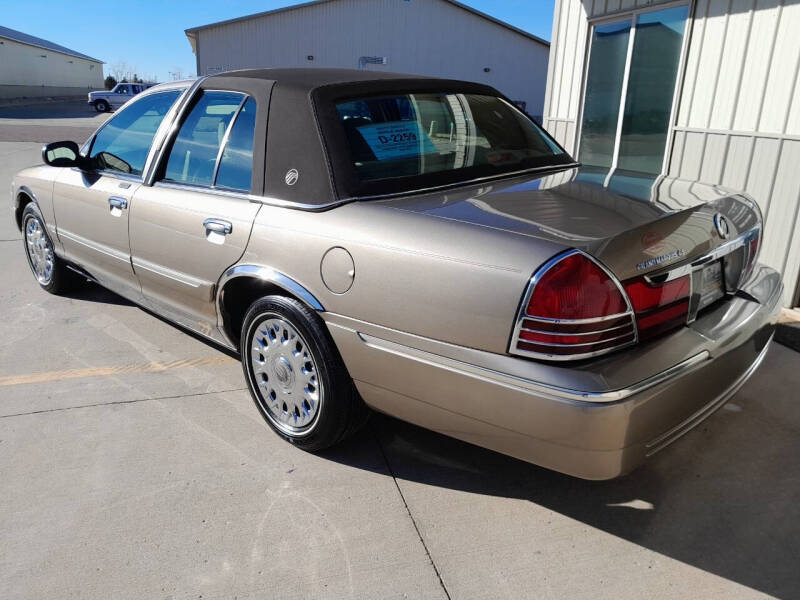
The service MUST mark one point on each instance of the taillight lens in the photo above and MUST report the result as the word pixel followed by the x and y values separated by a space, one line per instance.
pixel 659 307
pixel 573 309
pixel 575 288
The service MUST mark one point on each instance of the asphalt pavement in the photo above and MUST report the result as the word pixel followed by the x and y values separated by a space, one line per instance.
pixel 134 465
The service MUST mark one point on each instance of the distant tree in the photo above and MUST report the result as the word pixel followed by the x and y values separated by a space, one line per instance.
pixel 110 82
pixel 120 70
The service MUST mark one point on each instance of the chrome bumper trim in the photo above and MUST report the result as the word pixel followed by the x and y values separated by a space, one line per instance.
pixel 527 385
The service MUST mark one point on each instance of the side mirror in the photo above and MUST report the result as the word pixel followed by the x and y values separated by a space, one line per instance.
pixel 62 154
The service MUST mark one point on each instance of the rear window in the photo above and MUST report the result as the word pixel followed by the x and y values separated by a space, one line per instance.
pixel 417 134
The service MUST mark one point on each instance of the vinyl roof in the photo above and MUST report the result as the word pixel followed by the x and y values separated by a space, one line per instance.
pixel 32 40
pixel 309 78
pixel 192 30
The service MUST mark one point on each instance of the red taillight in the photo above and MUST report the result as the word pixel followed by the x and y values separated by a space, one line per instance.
pixel 647 296
pixel 574 309
pixel 659 307
pixel 575 288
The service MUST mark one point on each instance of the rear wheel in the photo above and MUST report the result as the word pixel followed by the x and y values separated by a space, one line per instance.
pixel 49 270
pixel 296 376
pixel 101 106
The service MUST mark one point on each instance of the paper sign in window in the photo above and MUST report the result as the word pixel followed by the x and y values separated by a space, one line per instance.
pixel 396 140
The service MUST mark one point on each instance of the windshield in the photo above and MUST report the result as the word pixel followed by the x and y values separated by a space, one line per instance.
pixel 408 135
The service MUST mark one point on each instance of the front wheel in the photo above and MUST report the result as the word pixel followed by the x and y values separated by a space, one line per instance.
pixel 296 376
pixel 49 270
pixel 101 106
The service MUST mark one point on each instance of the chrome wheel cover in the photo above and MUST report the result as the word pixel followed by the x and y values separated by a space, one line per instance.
pixel 39 250
pixel 284 375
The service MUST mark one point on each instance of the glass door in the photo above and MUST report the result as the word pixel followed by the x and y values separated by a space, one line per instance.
pixel 630 85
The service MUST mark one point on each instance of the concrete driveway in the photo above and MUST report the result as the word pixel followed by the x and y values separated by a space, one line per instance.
pixel 134 465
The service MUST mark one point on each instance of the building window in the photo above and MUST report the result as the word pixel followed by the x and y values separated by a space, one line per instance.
pixel 630 84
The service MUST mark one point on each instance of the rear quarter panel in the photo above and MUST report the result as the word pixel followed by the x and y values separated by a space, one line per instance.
pixel 423 275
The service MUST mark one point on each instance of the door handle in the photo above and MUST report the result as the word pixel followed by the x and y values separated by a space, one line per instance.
pixel 218 226
pixel 116 205
pixel 117 202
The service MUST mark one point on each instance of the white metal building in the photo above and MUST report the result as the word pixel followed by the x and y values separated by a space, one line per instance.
pixel 441 38
pixel 704 90
pixel 31 66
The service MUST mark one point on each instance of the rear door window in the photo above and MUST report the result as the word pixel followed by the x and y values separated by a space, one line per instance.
pixel 236 164
pixel 214 146
pixel 193 157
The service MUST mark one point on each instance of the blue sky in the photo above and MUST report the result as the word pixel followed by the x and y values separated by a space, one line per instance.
pixel 148 34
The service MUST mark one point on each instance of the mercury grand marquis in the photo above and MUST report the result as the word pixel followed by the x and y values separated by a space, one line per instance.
pixel 414 246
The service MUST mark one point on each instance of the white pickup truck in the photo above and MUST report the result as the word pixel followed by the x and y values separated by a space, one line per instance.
pixel 105 100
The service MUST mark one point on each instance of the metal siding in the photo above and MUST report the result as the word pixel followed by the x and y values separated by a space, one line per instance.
pixel 713 157
pixel 782 216
pixel 762 167
pixel 708 67
pixel 338 33
pixel 756 66
pixel 576 81
pixel 793 118
pixel 782 71
pixel 740 148
pixel 570 61
pixel 692 156
pixel 730 69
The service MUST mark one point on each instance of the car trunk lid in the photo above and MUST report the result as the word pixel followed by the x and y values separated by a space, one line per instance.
pixel 640 229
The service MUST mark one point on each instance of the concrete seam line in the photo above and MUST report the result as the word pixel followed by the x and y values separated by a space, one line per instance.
pixel 153 367
pixel 410 516
pixel 135 400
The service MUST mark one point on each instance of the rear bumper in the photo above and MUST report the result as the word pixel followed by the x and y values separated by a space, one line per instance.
pixel 597 431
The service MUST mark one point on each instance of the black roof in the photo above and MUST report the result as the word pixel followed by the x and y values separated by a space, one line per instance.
pixel 312 78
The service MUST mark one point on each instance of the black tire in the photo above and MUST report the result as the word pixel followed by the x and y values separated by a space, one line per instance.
pixel 101 106
pixel 59 278
pixel 339 411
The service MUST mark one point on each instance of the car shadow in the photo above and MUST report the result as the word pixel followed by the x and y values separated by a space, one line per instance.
pixel 725 498
pixel 89 291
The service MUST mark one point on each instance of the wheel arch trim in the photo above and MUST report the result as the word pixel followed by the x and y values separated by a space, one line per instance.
pixel 18 206
pixel 263 274
pixel 268 275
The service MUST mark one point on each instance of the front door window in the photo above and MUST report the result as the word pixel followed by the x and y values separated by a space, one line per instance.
pixel 123 143
pixel 633 67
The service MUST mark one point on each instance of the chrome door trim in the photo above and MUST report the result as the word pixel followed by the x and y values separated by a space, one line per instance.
pixel 204 189
pixel 529 385
pixel 183 278
pixel 101 248
pixel 166 135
